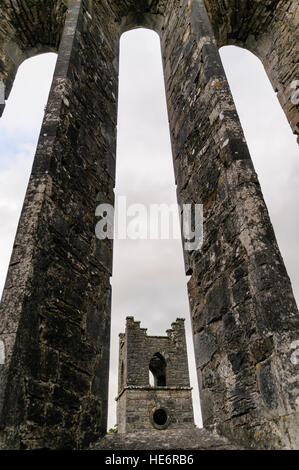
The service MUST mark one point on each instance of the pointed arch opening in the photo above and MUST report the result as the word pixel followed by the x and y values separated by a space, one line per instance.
pixel 157 367
pixel 19 131
pixel 148 278
pixel 272 146
pixel 151 379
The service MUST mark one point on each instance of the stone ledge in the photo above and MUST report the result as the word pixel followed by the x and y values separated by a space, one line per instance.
pixel 152 389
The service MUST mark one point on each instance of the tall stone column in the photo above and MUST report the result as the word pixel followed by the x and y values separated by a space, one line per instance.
pixel 55 309
pixel 244 316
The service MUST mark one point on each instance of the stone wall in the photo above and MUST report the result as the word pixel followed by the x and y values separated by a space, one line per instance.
pixel 55 310
pixel 136 405
pixel 137 349
pixel 244 316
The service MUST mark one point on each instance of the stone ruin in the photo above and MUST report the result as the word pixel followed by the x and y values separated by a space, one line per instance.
pixel 165 404
pixel 55 309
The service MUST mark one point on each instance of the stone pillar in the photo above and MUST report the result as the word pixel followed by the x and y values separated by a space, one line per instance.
pixel 244 316
pixel 55 310
pixel 11 57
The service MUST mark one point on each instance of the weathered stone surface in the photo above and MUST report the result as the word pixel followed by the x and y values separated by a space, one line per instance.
pixel 195 439
pixel 55 309
pixel 56 303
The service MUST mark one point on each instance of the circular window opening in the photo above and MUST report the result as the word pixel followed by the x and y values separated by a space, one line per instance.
pixel 160 417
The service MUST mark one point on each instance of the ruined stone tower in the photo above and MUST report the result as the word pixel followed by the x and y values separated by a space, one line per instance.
pixel 55 309
pixel 168 402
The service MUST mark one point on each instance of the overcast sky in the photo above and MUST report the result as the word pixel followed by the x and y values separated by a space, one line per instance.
pixel 148 276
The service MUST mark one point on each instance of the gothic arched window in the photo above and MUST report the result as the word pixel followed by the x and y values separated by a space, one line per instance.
pixel 157 367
